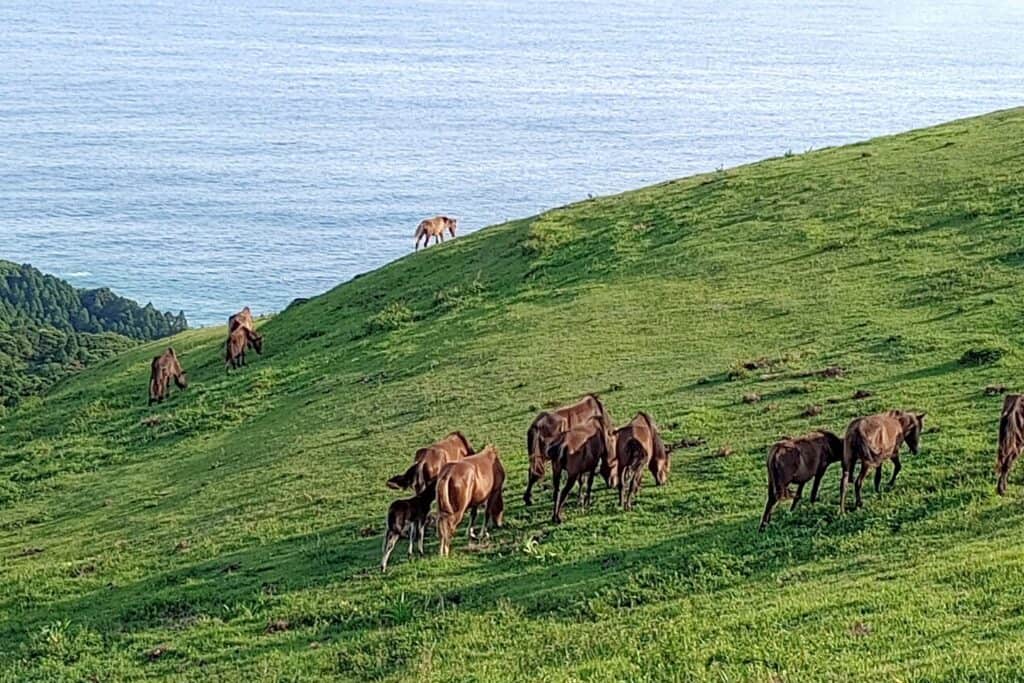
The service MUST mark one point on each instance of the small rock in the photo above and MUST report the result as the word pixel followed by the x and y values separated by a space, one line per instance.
pixel 751 398
pixel 862 394
pixel 276 626
pixel 995 389
pixel 158 652
pixel 811 411
pixel 725 452
pixel 860 629
pixel 183 545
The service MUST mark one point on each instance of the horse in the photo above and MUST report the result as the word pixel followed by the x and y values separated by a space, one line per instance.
pixel 1011 438
pixel 466 485
pixel 874 439
pixel 578 451
pixel 428 462
pixel 243 318
pixel 637 445
pixel 434 227
pixel 240 339
pixel 798 460
pixel 162 370
pixel 549 425
pixel 407 516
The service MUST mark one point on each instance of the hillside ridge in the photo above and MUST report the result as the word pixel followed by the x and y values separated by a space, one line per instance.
pixel 234 532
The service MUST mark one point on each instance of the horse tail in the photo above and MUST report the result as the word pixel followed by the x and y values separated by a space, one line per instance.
pixel 420 477
pixel 660 463
pixel 532 451
pixel 776 476
pixel 1011 431
pixel 853 448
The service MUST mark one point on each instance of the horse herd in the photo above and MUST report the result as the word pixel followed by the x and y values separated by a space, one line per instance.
pixel 166 367
pixel 580 441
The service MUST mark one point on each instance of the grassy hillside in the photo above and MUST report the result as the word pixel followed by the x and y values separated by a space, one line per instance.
pixel 233 533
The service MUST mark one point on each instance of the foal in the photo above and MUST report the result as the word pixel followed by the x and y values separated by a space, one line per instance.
pixel 579 452
pixel 798 461
pixel 407 516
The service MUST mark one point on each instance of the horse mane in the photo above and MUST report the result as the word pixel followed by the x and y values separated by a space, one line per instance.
pixel 465 442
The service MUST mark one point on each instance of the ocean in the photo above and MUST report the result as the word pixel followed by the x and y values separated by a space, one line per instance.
pixel 208 155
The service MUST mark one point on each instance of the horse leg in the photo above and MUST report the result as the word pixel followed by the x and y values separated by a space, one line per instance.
pixel 556 475
pixel 897 466
pixel 389 545
pixel 472 522
pixel 532 479
pixel 590 486
pixel 422 528
pixel 844 483
pixel 860 482
pixel 560 500
pixel 878 479
pixel 799 492
pixel 412 537
pixel 767 516
pixel 814 487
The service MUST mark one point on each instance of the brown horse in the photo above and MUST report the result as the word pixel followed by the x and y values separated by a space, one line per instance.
pixel 428 462
pixel 1011 438
pixel 243 318
pixel 466 485
pixel 637 445
pixel 874 439
pixel 240 339
pixel 578 451
pixel 798 461
pixel 549 425
pixel 162 370
pixel 434 227
pixel 408 516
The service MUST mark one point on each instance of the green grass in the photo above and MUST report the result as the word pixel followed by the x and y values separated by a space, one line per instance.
pixel 176 541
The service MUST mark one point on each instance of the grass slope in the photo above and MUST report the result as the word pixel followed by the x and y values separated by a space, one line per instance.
pixel 233 533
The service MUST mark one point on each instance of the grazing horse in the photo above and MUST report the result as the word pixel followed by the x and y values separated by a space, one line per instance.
pixel 428 462
pixel 240 339
pixel 579 451
pixel 434 227
pixel 549 425
pixel 162 370
pixel 874 439
pixel 637 445
pixel 798 461
pixel 241 319
pixel 408 516
pixel 466 485
pixel 1011 437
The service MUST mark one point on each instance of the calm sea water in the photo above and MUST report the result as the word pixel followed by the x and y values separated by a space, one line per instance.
pixel 205 155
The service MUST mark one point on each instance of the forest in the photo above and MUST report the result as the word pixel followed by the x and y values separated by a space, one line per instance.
pixel 49 329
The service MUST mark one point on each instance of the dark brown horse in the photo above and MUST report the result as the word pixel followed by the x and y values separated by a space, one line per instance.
pixel 549 425
pixel 434 227
pixel 466 485
pixel 239 340
pixel 162 370
pixel 408 516
pixel 637 445
pixel 578 452
pixel 241 319
pixel 872 440
pixel 428 462
pixel 797 461
pixel 1011 438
